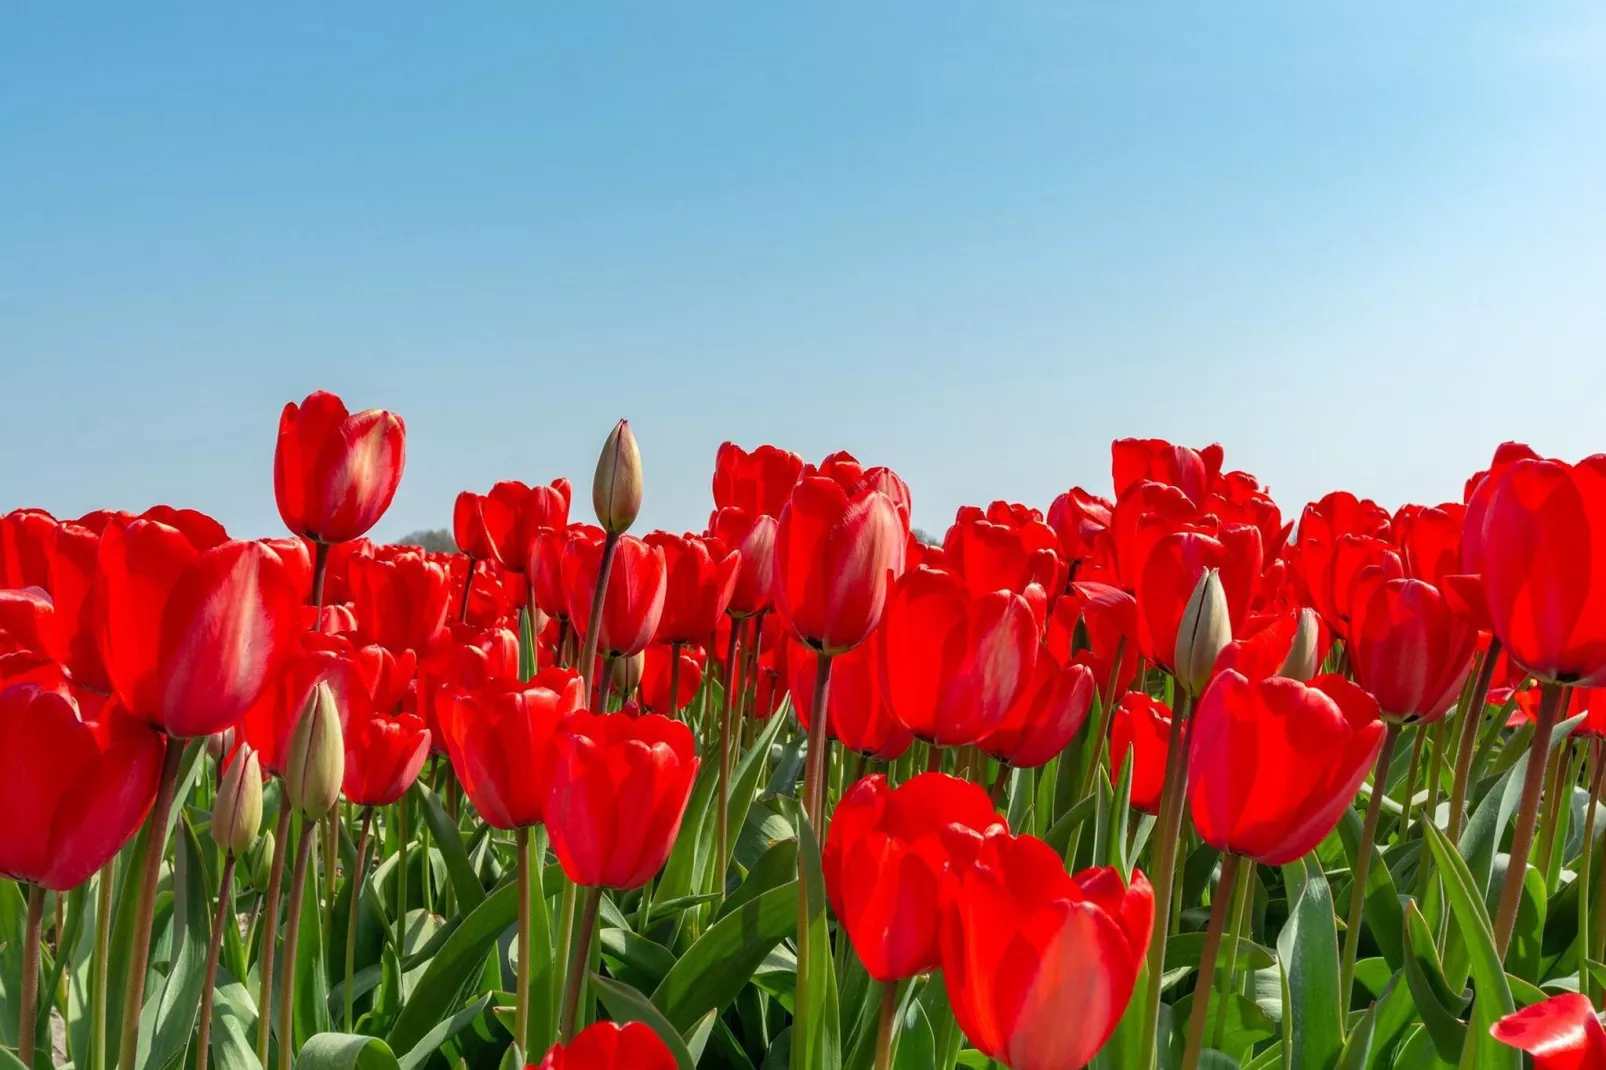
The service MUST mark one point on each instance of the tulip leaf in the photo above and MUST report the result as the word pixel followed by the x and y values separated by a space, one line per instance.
pixel 1382 910
pixel 743 787
pixel 1059 835
pixel 9 1061
pixel 816 1025
pixel 625 1004
pixel 680 871
pixel 459 960
pixel 775 867
pixel 345 1051
pixel 1493 999
pixel 449 840
pixel 13 919
pixel 180 996
pixel 311 1014
pixel 443 1032
pixel 1439 1007
pixel 1313 1035
pixel 714 969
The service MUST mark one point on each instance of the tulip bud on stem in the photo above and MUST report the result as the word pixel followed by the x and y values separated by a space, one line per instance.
pixel 579 954
pixel 145 905
pixel 32 935
pixel 270 927
pixel 352 916
pixel 1363 865
pixel 1527 814
pixel 1470 713
pixel 1220 903
pixel 722 818
pixel 292 933
pixel 1169 834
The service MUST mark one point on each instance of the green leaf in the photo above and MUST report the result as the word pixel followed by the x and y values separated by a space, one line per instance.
pixel 743 787
pixel 345 1051
pixel 443 1032
pixel 1439 1007
pixel 714 969
pixel 1059 835
pixel 13 921
pixel 180 997
pixel 470 893
pixel 460 960
pixel 817 1036
pixel 625 1004
pixel 1308 948
pixel 775 867
pixel 1382 910
pixel 311 1015
pixel 1493 999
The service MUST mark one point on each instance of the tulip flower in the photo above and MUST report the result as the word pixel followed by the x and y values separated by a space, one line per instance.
pixel 659 675
pixel 1081 521
pixel 384 754
pixel 1095 624
pixel 400 603
pixel 1146 513
pixel 465 659
pixel 334 472
pixel 1408 645
pixel 25 548
pixel 885 860
pixel 1194 472
pixel 955 662
pixel 758 483
pixel 1040 965
pixel 1006 548
pixel 190 636
pixel 1337 537
pixel 1171 577
pixel 1047 715
pixel 857 712
pixel 486 526
pixel 1429 540
pixel 1560 1033
pixel 754 539
pixel 610 1046
pixel 1141 731
pixel 499 736
pixel 638 585
pixel 700 578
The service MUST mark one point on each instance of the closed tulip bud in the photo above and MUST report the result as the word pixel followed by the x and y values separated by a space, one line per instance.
pixel 218 744
pixel 1204 631
pixel 1301 661
pixel 627 674
pixel 616 489
pixel 258 862
pixel 237 813
pixel 317 756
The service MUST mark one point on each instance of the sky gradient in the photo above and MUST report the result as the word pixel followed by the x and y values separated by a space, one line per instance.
pixel 1357 243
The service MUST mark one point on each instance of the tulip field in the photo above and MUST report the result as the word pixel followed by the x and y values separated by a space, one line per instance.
pixel 1155 776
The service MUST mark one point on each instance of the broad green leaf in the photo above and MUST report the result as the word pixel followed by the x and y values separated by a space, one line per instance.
pixel 311 1015
pixel 1382 910
pixel 625 1004
pixel 714 969
pixel 775 867
pixel 449 841
pixel 1308 949
pixel 345 1051
pixel 816 1036
pixel 443 1032
pixel 13 920
pixel 180 997
pixel 1059 835
pixel 1439 1007
pixel 457 962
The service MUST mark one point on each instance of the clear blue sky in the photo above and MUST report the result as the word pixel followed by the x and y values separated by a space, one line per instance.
pixel 1358 243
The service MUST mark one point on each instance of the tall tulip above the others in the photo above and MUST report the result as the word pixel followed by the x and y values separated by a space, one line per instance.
pixel 335 472
pixel 616 489
pixel 1040 965
pixel 758 483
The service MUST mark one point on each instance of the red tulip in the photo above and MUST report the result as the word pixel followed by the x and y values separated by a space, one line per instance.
pixel 1561 1033
pixel 1091 624
pixel 955 662
pixel 1145 514
pixel 1429 540
pixel 317 658
pixel 334 472
pixel 885 860
pixel 700 579
pixel 486 526
pixel 620 785
pixel 466 658
pixel 857 713
pixel 754 539
pixel 74 566
pixel 386 677
pixel 845 471
pixel 1006 548
pixel 1194 472
pixel 383 756
pixel 26 536
pixel 1338 536
pixel 655 678
pixel 72 790
pixel 1171 573
pixel 1049 712
pixel 500 737
pixel 1274 763
pixel 1040 965
pixel 545 566
pixel 837 552
pixel 1408 645
pixel 1585 700
pixel 634 602
pixel 1082 522
pixel 401 603
pixel 1476 495
pixel 610 1046
pixel 1544 567
pixel 758 483
pixel 1266 645
pixel 1141 728
pixel 192 637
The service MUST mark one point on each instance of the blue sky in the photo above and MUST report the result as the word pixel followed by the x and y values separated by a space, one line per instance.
pixel 1357 243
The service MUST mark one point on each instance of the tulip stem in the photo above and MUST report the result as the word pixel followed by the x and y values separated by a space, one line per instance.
pixel 1586 871
pixel 1220 906
pixel 565 936
pixel 1426 815
pixel 521 1014
pixel 224 916
pixel 1419 734
pixel 1471 713
pixel 270 927
pixel 1101 730
pixel 588 648
pixel 292 934
pixel 1363 865
pixel 1246 893
pixel 401 885
pixel 722 817
pixel 353 916
pixel 320 565
pixel 1560 783
pixel 468 586
pixel 579 954
pixel 1522 838
pixel 674 680
pixel 1170 833
pixel 819 748
pixel 32 935
pixel 145 904
pixel 888 1026
pixel 103 939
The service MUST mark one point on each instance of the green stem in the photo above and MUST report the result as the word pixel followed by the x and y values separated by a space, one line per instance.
pixel 1363 865
pixel 722 817
pixel 1560 785
pixel 1419 737
pixel 145 904
pixel 1246 893
pixel 1101 730
pixel 1220 904
pixel 292 934
pixel 270 928
pixel 1505 919
pixel 566 905
pixel 819 748
pixel 579 953
pixel 888 1026
pixel 30 973
pixel 1586 871
pixel 588 649
pixel 1171 807
pixel 1471 715
pixel 401 883
pixel 354 915
pixel 223 916
pixel 1426 815
pixel 521 1014
pixel 103 939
